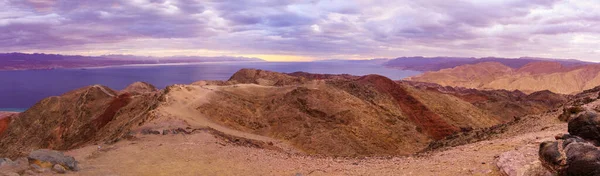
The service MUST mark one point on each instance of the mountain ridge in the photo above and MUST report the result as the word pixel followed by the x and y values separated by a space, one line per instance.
pixel 534 76
pixel 23 61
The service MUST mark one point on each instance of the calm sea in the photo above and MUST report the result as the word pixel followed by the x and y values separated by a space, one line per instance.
pixel 22 89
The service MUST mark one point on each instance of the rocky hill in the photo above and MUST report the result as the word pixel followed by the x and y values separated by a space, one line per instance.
pixel 315 114
pixel 77 118
pixel 437 63
pixel 534 76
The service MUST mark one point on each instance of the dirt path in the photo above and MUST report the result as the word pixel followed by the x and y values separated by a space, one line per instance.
pixel 104 90
pixel 201 153
pixel 195 96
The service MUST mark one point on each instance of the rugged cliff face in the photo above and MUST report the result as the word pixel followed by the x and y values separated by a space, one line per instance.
pixel 331 115
pixel 535 76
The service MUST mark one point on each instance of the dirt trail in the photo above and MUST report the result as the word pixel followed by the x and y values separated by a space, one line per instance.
pixel 195 96
pixel 201 153
pixel 103 90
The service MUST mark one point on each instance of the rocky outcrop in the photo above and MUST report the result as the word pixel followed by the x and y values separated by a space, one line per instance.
pixel 39 162
pixel 53 159
pixel 575 153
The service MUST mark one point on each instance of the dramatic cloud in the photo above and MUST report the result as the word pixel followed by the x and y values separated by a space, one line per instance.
pixel 319 29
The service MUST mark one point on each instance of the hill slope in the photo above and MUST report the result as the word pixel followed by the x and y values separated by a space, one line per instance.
pixel 331 115
pixel 438 63
pixel 536 76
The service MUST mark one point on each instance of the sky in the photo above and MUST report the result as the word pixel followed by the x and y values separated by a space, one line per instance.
pixel 302 30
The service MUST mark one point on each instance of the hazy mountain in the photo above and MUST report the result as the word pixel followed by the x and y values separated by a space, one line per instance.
pixel 437 63
pixel 22 61
pixel 559 77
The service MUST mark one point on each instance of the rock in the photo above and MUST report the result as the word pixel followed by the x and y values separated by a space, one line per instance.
pixel 576 153
pixel 38 169
pixel 29 172
pixel 513 163
pixel 165 132
pixel 570 156
pixel 48 158
pixel 16 166
pixel 59 169
pixel 7 173
pixel 5 161
pixel 148 131
pixel 587 126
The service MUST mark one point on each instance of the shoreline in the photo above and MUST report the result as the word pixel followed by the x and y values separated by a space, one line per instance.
pixel 126 65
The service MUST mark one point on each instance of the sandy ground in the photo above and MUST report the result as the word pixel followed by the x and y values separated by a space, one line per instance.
pixel 203 154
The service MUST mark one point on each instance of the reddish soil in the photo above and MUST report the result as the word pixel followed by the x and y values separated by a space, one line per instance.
pixel 418 113
pixel 5 119
pixel 115 105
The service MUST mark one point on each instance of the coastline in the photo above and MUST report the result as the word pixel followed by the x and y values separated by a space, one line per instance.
pixel 166 64
pixel 130 65
pixel 12 110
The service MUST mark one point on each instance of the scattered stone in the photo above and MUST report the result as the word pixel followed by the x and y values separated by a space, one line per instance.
pixel 29 172
pixel 59 169
pixel 4 161
pixel 38 169
pixel 7 173
pixel 48 158
pixel 17 166
pixel 148 131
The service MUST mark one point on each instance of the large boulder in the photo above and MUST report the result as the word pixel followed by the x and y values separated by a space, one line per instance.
pixel 49 158
pixel 570 156
pixel 576 153
pixel 587 126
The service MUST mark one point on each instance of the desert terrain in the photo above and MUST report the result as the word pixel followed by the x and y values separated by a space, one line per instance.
pixel 534 76
pixel 268 123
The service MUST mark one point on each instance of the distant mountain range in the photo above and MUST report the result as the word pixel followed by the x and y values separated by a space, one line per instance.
pixel 555 76
pixel 22 61
pixel 419 63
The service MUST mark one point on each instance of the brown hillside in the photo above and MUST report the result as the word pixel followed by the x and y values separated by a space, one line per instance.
pixel 505 105
pixel 139 88
pixel 369 115
pixel 535 76
pixel 331 115
pixel 86 115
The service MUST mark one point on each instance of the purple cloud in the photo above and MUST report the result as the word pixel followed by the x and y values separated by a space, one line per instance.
pixel 318 29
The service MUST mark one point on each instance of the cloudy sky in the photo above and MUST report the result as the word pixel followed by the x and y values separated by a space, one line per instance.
pixel 304 29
